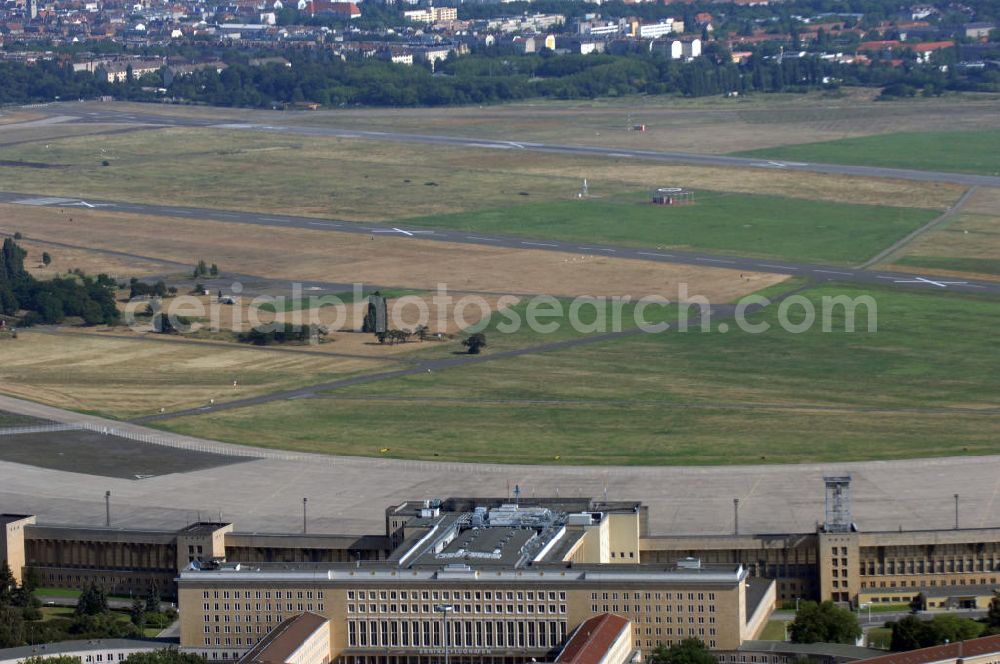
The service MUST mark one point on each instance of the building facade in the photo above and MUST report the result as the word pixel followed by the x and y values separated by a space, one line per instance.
pixel 839 561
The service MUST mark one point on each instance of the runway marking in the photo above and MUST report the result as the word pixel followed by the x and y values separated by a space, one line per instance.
pixel 778 267
pixel 715 260
pixel 849 274
pixel 274 221
pixel 48 200
pixel 88 205
pixel 647 253
pixel 484 239
pixel 397 230
pixel 924 280
pixel 540 244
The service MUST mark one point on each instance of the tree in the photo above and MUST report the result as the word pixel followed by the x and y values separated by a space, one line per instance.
pixel 907 634
pixel 824 623
pixel 688 651
pixel 993 614
pixel 918 603
pixel 165 656
pixel 200 270
pixel 911 633
pixel 8 585
pixel 46 259
pixel 475 343
pixel 92 602
pixel 214 270
pixel 137 613
pixel 11 627
pixel 153 599
pixel 31 579
pixel 56 659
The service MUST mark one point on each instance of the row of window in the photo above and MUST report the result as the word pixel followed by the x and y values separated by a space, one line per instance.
pixel 932 583
pixel 458 608
pixel 659 596
pixel 100 657
pixel 651 608
pixel 257 594
pixel 267 606
pixel 660 631
pixel 671 642
pixel 615 608
pixel 457 595
pixel 462 633
pixel 872 568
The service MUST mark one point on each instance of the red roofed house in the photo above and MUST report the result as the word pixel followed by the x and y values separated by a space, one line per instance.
pixel 339 9
pixel 878 46
pixel 603 639
pixel 924 49
pixel 973 651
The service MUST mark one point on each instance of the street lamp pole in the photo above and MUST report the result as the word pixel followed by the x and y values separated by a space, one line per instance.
pixel 444 610
pixel 956 511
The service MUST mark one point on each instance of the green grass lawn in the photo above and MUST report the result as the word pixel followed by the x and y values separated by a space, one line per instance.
pixel 774 630
pixel 955 151
pixel 878 637
pixel 974 265
pixel 768 226
pixel 680 398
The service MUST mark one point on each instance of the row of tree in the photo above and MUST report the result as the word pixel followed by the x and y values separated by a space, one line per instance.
pixel 53 300
pixel 490 76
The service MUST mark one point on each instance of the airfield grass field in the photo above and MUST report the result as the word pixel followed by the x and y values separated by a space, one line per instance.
pixel 300 254
pixel 969 244
pixel 921 385
pixel 366 180
pixel 122 378
pixel 975 151
pixel 768 226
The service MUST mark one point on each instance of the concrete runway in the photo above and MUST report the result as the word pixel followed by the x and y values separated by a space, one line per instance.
pixel 815 272
pixel 347 494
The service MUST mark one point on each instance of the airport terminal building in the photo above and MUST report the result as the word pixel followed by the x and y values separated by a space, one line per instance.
pixel 493 583
pixel 563 559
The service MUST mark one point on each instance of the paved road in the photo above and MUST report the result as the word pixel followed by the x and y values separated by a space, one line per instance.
pixel 815 272
pixel 96 113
